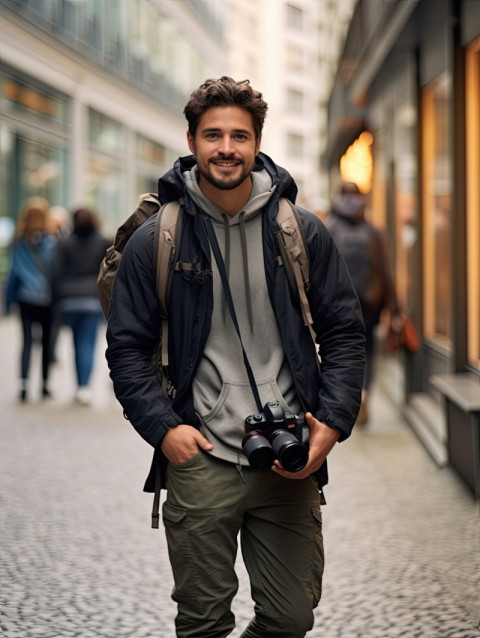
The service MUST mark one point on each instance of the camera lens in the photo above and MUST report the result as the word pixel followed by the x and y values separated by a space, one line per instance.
pixel 258 450
pixel 288 450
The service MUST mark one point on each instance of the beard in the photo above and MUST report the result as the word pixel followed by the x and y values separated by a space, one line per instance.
pixel 224 182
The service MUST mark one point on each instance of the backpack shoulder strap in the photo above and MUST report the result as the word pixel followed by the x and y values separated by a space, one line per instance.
pixel 164 248
pixel 168 226
pixel 294 251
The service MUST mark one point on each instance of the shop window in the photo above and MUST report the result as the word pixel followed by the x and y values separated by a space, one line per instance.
pixel 437 200
pixel 105 134
pixel 151 163
pixel 104 178
pixel 24 97
pixel 405 189
pixel 356 163
pixel 473 201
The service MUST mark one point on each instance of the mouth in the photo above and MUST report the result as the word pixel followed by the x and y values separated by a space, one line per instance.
pixel 221 163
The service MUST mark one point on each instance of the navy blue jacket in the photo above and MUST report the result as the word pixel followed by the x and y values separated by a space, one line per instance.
pixel 331 391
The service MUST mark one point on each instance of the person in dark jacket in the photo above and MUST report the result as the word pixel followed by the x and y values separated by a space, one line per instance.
pixel 365 252
pixel 77 262
pixel 29 284
pixel 230 193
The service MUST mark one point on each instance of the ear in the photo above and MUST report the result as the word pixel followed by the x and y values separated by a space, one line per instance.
pixel 191 142
pixel 258 144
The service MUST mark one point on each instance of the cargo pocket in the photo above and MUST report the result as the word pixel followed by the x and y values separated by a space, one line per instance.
pixel 318 558
pixel 175 520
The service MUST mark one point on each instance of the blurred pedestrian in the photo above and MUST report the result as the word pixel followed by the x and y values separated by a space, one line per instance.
pixel 59 220
pixel 29 286
pixel 75 289
pixel 365 252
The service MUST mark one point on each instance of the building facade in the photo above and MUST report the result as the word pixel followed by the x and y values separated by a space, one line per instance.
pixel 289 50
pixel 408 88
pixel 92 95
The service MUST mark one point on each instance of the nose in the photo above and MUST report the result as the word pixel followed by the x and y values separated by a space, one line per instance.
pixel 226 145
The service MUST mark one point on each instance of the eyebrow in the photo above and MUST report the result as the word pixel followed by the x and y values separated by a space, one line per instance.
pixel 219 130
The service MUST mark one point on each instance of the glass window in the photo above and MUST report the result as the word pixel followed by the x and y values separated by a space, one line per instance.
pixel 294 17
pixel 28 167
pixel 26 98
pixel 104 175
pixel 405 201
pixel 294 101
pixel 437 203
pixel 293 58
pixel 472 83
pixel 295 145
pixel 105 134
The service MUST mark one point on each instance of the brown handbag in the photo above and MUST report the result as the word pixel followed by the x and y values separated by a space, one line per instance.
pixel 401 334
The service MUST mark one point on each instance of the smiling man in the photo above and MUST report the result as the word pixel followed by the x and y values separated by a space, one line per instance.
pixel 233 348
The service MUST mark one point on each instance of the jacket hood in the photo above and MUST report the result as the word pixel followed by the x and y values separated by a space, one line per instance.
pixel 349 207
pixel 171 186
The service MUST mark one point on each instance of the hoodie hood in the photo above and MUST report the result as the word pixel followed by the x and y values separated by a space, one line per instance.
pixel 349 207
pixel 172 185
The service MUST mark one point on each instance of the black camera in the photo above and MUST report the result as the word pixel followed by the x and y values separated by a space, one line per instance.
pixel 269 437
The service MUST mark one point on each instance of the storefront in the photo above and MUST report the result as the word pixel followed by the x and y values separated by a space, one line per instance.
pixel 35 138
pixel 414 84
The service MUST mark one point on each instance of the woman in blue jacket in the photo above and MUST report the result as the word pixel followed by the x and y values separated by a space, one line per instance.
pixel 29 285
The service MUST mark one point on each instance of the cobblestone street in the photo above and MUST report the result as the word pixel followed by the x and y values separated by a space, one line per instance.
pixel 79 559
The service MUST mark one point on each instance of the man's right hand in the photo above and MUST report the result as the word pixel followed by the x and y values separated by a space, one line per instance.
pixel 182 442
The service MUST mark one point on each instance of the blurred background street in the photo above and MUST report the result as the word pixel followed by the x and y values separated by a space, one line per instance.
pixel 79 559
pixel 382 93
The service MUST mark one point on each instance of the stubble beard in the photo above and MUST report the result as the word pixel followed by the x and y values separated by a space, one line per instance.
pixel 224 183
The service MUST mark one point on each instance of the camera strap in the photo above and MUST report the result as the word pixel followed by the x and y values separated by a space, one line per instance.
pixel 229 299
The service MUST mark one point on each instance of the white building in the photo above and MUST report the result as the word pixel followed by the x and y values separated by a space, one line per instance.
pixel 289 50
pixel 92 94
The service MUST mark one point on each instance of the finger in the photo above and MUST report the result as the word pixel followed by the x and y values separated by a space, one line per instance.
pixel 202 442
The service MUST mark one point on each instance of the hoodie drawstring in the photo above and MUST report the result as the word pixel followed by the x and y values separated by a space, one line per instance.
pixel 245 269
pixel 243 240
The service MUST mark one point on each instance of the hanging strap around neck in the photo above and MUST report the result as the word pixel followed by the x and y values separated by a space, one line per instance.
pixel 228 296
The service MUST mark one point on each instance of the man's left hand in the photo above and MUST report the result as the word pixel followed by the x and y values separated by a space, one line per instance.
pixel 322 440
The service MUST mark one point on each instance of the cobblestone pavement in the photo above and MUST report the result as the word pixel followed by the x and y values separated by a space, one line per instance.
pixel 78 558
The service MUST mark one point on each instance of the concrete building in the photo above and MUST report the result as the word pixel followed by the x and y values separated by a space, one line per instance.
pixel 289 50
pixel 92 95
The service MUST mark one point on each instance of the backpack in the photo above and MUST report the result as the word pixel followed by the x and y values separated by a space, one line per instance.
pixel 293 254
pixel 361 249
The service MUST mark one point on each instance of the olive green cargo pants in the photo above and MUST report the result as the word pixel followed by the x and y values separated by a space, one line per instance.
pixel 209 502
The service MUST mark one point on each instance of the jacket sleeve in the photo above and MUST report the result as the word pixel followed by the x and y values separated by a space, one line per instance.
pixel 133 335
pixel 339 330
pixel 11 288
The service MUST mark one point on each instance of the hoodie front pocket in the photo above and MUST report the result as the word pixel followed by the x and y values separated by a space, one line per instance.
pixel 226 419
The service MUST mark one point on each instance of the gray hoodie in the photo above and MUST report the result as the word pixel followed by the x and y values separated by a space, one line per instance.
pixel 222 394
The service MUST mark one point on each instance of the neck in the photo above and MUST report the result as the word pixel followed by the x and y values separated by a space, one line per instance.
pixel 230 201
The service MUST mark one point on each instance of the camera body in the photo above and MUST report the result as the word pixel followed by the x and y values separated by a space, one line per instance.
pixel 270 436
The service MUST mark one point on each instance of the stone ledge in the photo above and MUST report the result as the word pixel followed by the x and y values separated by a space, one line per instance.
pixel 461 389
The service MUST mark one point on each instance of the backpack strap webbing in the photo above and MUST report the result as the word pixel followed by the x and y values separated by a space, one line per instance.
pixel 294 247
pixel 167 232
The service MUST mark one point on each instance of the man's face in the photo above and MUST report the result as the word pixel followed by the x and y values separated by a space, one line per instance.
pixel 224 146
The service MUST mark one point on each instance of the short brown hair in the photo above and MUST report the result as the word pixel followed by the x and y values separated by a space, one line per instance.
pixel 226 92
